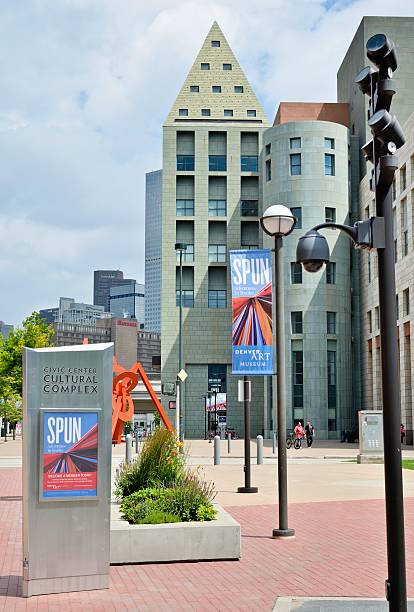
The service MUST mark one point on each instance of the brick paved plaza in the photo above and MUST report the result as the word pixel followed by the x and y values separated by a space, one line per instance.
pixel 339 550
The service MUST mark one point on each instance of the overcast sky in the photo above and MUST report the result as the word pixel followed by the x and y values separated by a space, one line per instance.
pixel 85 86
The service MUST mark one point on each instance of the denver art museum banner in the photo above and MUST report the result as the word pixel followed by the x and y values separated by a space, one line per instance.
pixel 251 283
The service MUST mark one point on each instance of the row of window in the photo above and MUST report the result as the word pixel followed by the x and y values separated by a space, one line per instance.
pixel 296 322
pixel 297 380
pixel 206 112
pixel 217 253
pixel 405 311
pixel 295 165
pixel 217 89
pixel 403 183
pixel 218 163
pixel 296 273
pixel 217 298
pixel 225 65
pixel 296 143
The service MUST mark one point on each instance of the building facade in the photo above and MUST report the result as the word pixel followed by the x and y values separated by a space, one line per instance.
pixel 128 301
pixel 211 201
pixel 103 280
pixel 305 167
pixel 70 311
pixel 149 350
pixel 5 329
pixel 153 247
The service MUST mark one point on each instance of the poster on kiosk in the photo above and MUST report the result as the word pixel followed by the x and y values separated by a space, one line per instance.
pixel 251 283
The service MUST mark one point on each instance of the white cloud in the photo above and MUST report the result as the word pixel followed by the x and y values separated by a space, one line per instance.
pixel 85 89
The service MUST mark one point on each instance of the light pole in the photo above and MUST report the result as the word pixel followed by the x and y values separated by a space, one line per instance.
pixel 377 233
pixel 278 222
pixel 180 247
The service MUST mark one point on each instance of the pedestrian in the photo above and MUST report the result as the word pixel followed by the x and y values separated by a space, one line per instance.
pixel 299 433
pixel 310 432
pixel 402 433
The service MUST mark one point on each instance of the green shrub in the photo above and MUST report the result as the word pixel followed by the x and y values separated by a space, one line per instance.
pixel 155 517
pixel 186 497
pixel 206 512
pixel 160 462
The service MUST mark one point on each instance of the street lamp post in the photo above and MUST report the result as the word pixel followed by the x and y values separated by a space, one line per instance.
pixel 180 247
pixel 278 222
pixel 377 233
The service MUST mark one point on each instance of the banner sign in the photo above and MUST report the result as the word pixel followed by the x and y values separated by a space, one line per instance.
pixel 70 454
pixel 217 402
pixel 251 283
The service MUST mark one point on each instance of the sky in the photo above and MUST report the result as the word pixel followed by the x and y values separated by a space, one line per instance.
pixel 85 87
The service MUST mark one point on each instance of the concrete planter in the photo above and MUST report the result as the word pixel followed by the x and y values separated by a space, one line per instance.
pixel 206 541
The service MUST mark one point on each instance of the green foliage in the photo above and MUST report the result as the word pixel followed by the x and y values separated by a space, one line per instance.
pixel 206 512
pixel 157 419
pixel 34 333
pixel 158 463
pixel 408 464
pixel 158 516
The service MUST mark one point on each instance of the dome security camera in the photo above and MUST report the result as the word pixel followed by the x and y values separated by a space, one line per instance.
pixel 312 251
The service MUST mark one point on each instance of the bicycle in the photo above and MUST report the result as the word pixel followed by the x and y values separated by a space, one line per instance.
pixel 291 440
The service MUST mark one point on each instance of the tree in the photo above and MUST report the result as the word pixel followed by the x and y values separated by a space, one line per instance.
pixel 34 333
pixel 12 412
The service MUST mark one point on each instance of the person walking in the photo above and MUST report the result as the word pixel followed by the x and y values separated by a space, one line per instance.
pixel 299 433
pixel 402 433
pixel 310 432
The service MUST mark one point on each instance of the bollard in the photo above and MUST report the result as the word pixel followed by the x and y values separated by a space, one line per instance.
pixel 216 450
pixel 229 443
pixel 259 450
pixel 136 442
pixel 128 448
pixel 274 442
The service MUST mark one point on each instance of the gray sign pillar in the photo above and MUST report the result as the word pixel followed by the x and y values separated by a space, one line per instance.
pixel 66 468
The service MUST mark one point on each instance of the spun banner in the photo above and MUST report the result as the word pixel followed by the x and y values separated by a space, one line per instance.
pixel 251 284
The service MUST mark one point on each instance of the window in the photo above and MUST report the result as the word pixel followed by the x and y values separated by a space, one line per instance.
pixel 331 376
pixel 331 322
pixel 404 227
pixel 217 163
pixel 215 43
pixel 216 89
pixel 394 231
pixel 369 267
pixel 249 163
pixel 329 164
pixel 329 143
pixel 217 253
pixel 403 178
pixel 227 67
pixel 397 307
pixel 228 112
pixel 217 208
pixel 185 163
pixel 297 378
pixel 238 89
pixel 295 143
pixel 217 298
pixel 377 317
pixel 249 208
pixel 183 112
pixel 295 273
pixel 394 190
pixel 297 212
pixel 331 273
pixel 251 113
pixel 295 164
pixel 188 298
pixel 188 254
pixel 406 302
pixel 194 88
pixel 205 66
pixel 330 215
pixel 205 112
pixel 268 149
pixel 184 208
pixel 369 317
pixel 296 322
pixel 268 170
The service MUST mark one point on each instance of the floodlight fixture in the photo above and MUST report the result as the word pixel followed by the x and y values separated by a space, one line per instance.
pixel 386 128
pixel 363 80
pixel 381 52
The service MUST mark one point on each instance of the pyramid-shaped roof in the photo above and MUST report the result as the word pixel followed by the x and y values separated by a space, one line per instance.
pixel 216 83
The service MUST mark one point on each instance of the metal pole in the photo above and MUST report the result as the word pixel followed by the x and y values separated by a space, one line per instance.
pixel 177 412
pixel 128 448
pixel 136 442
pixel 205 417
pixel 247 467
pixel 259 444
pixel 274 442
pixel 391 404
pixel 180 354
pixel 229 443
pixel 216 450
pixel 279 347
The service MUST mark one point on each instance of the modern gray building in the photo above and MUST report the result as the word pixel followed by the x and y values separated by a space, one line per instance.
pixel 153 244
pixel 70 311
pixel 103 280
pixel 128 300
pixel 5 329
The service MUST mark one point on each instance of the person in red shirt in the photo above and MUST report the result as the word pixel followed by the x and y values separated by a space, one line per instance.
pixel 299 431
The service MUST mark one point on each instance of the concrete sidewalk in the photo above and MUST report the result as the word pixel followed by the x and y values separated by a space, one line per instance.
pixel 328 604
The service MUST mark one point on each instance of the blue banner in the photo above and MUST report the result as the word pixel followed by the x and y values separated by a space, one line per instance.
pixel 251 284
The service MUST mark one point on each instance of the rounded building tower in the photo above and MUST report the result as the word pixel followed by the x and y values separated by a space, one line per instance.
pixel 305 167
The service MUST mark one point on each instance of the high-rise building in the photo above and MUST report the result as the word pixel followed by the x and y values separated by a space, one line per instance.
pixel 5 329
pixel 128 300
pixel 153 244
pixel 103 280
pixel 70 311
pixel 211 195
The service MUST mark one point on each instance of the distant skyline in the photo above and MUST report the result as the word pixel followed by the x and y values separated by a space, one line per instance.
pixel 85 89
